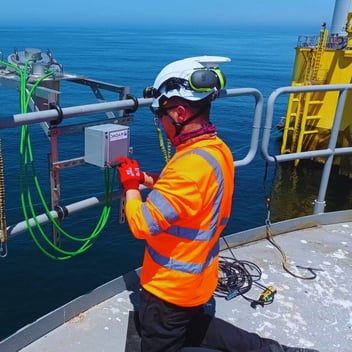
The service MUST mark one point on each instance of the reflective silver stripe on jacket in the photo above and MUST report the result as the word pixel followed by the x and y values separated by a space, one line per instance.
pixel 191 268
pixel 171 215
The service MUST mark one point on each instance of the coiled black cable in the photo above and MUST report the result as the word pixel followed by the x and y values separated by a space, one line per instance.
pixel 237 277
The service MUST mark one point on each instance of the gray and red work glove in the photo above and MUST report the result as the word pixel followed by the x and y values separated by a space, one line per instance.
pixel 130 174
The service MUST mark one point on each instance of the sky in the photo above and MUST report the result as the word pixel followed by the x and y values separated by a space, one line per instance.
pixel 174 13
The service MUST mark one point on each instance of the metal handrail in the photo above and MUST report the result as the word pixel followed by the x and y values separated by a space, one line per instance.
pixel 258 110
pixel 329 153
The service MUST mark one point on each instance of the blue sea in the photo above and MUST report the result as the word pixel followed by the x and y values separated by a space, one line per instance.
pixel 33 284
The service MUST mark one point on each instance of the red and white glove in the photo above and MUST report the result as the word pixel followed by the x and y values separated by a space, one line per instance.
pixel 130 175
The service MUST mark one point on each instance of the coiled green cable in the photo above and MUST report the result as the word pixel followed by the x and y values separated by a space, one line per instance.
pixel 27 168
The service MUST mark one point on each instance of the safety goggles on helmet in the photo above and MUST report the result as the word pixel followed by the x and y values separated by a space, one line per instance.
pixel 192 79
pixel 201 81
pixel 170 84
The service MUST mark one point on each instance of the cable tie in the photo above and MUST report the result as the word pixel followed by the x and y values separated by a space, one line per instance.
pixel 60 114
pixel 62 212
pixel 136 104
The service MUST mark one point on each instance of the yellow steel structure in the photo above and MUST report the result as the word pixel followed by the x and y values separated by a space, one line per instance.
pixel 309 116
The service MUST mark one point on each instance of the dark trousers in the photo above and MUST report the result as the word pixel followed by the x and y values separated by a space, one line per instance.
pixel 166 327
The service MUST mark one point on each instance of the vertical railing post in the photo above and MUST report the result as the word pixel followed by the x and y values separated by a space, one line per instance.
pixel 319 203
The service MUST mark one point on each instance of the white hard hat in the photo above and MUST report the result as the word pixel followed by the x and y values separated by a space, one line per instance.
pixel 193 78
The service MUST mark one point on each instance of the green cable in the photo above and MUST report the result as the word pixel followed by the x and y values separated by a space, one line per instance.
pixel 104 215
pixel 26 158
pixel 38 186
pixel 86 245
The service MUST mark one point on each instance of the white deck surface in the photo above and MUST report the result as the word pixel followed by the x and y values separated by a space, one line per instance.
pixel 307 313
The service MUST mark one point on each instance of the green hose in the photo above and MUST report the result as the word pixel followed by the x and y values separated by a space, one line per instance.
pixel 27 172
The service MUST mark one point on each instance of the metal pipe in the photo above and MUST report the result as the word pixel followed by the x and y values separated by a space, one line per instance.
pixel 269 118
pixel 41 116
pixel 69 112
pixel 319 203
pixel 259 102
pixel 57 214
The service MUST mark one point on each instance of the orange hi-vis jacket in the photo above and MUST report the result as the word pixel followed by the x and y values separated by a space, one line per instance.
pixel 182 219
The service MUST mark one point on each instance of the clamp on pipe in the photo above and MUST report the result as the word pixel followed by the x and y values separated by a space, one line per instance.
pixel 135 101
pixel 60 114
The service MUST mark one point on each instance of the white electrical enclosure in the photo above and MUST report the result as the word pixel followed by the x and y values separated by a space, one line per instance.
pixel 104 143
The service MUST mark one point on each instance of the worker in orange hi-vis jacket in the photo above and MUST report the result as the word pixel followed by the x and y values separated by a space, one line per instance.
pixel 184 215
